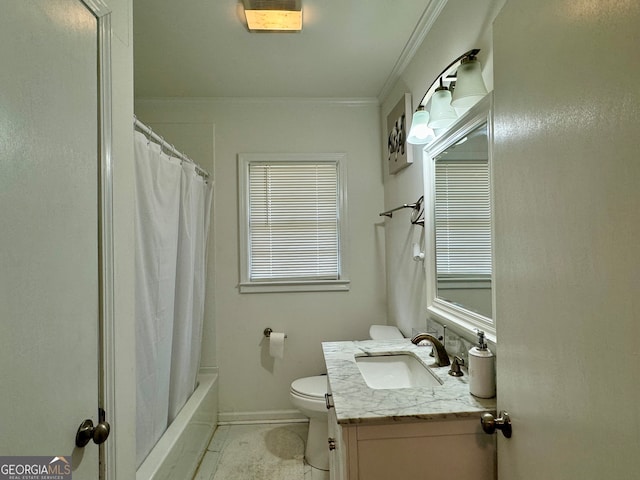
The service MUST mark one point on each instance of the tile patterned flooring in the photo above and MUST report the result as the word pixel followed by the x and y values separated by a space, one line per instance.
pixel 273 451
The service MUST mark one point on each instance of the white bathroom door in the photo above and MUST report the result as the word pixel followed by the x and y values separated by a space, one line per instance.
pixel 567 251
pixel 49 284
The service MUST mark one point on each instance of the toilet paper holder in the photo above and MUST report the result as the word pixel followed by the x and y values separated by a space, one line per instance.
pixel 267 332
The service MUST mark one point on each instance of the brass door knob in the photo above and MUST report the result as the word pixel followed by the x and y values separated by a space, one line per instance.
pixel 87 432
pixel 491 424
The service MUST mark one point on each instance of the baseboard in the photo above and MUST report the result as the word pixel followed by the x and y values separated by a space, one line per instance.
pixel 265 416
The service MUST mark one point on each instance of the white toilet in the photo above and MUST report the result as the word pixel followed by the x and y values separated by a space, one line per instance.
pixel 308 396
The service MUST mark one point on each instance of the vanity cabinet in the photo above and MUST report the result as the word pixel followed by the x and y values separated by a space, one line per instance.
pixel 420 450
pixel 337 449
pixel 419 432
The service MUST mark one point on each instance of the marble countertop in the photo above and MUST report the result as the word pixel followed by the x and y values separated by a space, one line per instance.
pixel 356 403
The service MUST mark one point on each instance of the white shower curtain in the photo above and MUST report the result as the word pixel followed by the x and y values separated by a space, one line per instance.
pixel 173 206
pixel 157 214
pixel 190 287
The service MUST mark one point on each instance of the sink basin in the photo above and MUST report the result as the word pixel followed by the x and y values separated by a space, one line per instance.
pixel 395 371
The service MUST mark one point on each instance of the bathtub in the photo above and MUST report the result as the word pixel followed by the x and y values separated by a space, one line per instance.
pixel 179 451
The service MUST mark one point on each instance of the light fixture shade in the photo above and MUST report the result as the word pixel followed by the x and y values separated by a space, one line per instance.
pixel 420 132
pixel 273 20
pixel 273 15
pixel 442 114
pixel 470 87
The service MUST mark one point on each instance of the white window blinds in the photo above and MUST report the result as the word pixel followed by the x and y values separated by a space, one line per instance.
pixel 293 224
pixel 463 218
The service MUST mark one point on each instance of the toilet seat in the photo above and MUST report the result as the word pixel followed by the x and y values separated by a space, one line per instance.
pixel 311 388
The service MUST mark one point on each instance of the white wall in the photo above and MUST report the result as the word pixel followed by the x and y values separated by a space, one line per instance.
pixel 461 26
pixel 250 381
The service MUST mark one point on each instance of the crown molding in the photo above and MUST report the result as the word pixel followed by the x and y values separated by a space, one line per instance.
pixel 428 18
pixel 337 101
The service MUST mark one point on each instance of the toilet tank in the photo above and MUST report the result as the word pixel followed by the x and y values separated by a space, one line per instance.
pixel 384 332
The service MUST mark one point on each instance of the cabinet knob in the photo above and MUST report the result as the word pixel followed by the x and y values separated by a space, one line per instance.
pixel 328 400
pixel 332 444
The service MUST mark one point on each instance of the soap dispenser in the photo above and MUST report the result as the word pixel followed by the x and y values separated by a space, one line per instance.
pixel 482 372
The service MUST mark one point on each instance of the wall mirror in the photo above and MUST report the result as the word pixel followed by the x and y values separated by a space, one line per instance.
pixel 459 219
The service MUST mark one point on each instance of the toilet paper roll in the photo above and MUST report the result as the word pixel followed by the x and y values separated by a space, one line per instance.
pixel 276 344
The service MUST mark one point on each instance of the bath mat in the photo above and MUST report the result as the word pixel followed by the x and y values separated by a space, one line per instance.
pixel 264 454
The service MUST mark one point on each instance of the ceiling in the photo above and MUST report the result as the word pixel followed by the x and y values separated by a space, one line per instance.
pixel 347 49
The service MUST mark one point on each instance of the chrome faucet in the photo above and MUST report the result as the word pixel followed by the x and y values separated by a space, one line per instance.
pixel 442 358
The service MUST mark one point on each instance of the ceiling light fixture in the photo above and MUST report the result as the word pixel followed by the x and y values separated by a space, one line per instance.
pixel 465 88
pixel 273 15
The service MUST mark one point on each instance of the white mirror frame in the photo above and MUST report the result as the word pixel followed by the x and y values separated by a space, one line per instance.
pixel 464 321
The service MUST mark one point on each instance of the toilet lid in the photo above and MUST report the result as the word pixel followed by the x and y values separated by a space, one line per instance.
pixel 314 387
pixel 384 332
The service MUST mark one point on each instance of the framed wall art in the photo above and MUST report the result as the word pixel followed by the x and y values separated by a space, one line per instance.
pixel 399 153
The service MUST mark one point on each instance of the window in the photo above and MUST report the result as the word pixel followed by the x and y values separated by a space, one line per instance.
pixel 292 220
pixel 463 219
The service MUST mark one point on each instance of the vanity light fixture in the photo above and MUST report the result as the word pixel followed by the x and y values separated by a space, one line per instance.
pixel 442 113
pixel 470 87
pixel 273 15
pixel 420 132
pixel 459 86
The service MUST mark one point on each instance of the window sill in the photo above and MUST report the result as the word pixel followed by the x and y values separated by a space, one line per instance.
pixel 466 283
pixel 291 287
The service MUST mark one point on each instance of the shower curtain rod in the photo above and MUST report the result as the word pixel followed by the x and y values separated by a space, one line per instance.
pixel 148 131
